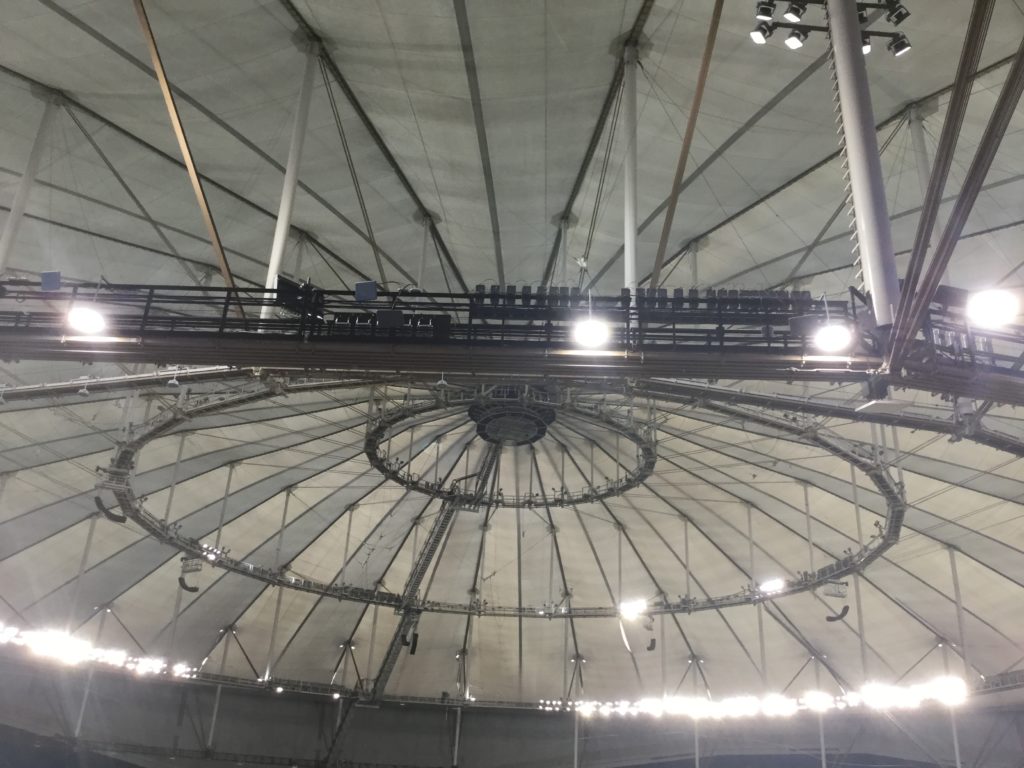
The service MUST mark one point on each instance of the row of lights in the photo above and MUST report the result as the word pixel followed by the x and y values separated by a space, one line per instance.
pixel 945 691
pixel 71 651
pixel 986 309
pixel 950 691
pixel 633 609
pixel 764 13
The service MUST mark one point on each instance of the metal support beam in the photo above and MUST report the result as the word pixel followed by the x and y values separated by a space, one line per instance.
pixel 291 178
pixel 183 145
pixel 961 639
pixel 868 186
pixel 970 56
pixel 915 121
pixel 684 152
pixel 1003 113
pixel 25 185
pixel 564 227
pixel 974 179
pixel 458 738
pixel 633 37
pixel 629 118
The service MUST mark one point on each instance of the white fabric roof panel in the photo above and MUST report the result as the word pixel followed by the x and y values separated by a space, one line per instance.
pixel 543 70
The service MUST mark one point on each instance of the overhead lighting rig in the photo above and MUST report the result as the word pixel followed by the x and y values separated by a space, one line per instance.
pixel 792 19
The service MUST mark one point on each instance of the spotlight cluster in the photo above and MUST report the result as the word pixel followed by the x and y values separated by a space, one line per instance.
pixel 793 20
pixel 943 691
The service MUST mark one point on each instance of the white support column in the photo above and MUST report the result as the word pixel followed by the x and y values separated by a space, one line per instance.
pixel 25 185
pixel 968 675
pixel 291 179
pixel 924 164
pixel 280 590
pixel 423 252
pixel 458 737
pixel 629 168
pixel 565 251
pixel 873 230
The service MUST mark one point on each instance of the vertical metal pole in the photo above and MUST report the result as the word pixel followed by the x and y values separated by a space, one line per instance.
pixel 25 185
pixel 873 231
pixel 629 168
pixel 696 741
pixel 821 740
pixel 88 679
pixel 810 532
pixel 924 165
pixel 458 737
pixel 686 554
pixel 575 739
pixel 216 698
pixel 565 251
pixel 280 589
pixel 291 179
pixel 174 477
pixel 224 506
pixel 81 570
pixel 856 576
pixel 758 607
pixel 423 253
pixel 952 713
pixel 174 622
pixel 959 615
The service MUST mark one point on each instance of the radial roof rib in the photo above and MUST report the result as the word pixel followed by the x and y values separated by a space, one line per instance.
pixel 633 36
pixel 728 170
pixel 199 137
pixel 466 42
pixel 378 139
pixel 133 140
pixel 896 116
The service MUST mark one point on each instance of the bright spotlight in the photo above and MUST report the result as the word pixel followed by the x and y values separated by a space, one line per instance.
pixel 795 11
pixel 771 586
pixel 278 689
pixel 631 610
pixel 899 45
pixel 796 39
pixel 993 308
pixel 86 321
pixel 761 33
pixel 591 333
pixel 765 11
pixel 833 338
pixel 865 43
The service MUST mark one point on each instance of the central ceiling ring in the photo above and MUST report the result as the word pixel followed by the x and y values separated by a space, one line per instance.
pixel 516 416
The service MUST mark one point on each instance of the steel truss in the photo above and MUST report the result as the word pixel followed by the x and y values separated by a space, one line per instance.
pixel 116 478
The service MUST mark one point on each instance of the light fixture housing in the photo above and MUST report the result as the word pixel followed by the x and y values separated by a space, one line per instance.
pixel 761 33
pixel 86 320
pixel 993 308
pixel 899 45
pixel 897 13
pixel 591 333
pixel 765 11
pixel 796 39
pixel 833 338
pixel 865 43
pixel 795 11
